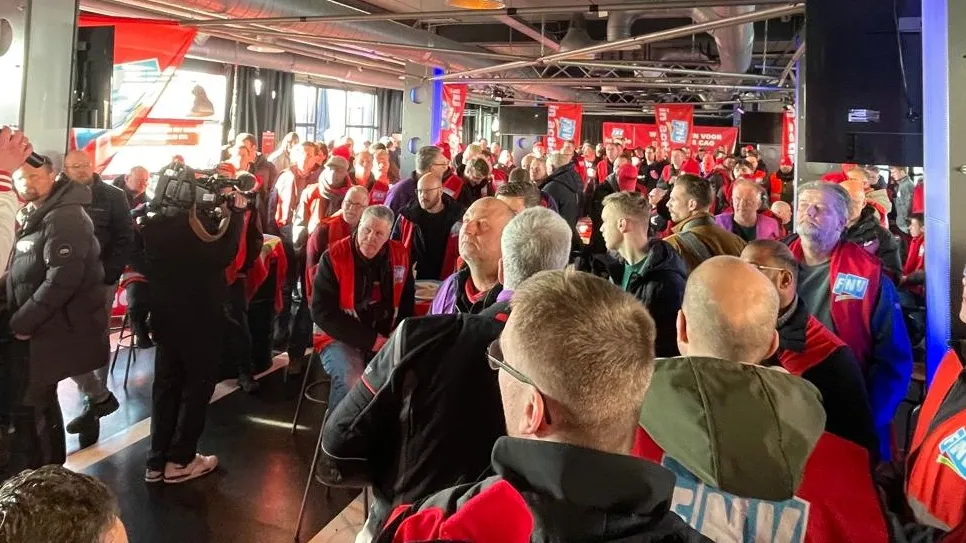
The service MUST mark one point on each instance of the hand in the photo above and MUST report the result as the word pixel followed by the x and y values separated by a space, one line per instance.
pixel 240 202
pixel 380 341
pixel 14 149
pixel 22 337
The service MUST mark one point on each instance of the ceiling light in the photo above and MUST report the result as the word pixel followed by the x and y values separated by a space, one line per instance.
pixel 476 4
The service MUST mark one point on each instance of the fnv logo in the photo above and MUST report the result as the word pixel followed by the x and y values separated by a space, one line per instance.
pixel 952 452
pixel 724 517
pixel 849 287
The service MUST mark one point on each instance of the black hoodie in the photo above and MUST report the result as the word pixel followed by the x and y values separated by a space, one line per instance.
pixel 660 287
pixel 566 188
pixel 431 233
pixel 868 232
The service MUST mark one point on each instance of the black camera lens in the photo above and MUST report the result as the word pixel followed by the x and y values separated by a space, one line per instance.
pixel 36 160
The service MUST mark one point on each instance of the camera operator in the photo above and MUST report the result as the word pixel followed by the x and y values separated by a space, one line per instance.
pixel 109 211
pixel 189 290
pixel 54 289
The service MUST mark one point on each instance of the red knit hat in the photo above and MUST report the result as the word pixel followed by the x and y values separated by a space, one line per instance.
pixel 343 151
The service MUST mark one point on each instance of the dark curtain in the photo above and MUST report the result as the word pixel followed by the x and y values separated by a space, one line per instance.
pixel 271 110
pixel 389 107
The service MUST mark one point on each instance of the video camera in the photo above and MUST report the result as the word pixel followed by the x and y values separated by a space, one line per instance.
pixel 181 188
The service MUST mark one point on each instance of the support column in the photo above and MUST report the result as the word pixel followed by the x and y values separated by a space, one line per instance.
pixel 420 113
pixel 944 83
pixel 48 47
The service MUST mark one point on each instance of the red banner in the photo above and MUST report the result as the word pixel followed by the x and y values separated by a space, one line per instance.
pixel 563 124
pixel 451 127
pixel 674 123
pixel 643 135
pixel 789 135
pixel 146 56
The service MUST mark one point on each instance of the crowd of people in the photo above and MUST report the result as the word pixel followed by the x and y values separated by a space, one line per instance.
pixel 720 357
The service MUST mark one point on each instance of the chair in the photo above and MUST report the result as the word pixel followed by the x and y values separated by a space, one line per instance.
pixel 305 392
pixel 313 471
pixel 131 347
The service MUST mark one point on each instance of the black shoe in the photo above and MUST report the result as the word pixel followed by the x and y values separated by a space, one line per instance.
pixel 92 412
pixel 89 436
pixel 144 342
pixel 248 383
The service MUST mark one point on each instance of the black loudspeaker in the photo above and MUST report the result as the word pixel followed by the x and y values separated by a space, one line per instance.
pixel 863 81
pixel 93 74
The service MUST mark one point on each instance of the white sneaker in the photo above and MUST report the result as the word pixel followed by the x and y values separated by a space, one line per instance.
pixel 200 466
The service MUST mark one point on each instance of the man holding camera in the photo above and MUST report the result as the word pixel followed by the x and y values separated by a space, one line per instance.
pixel 109 211
pixel 189 291
pixel 55 305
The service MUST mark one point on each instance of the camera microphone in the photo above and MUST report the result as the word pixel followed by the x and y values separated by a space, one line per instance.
pixel 36 160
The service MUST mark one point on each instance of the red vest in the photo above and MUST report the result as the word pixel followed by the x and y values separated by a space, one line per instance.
pixel 344 266
pixel 936 466
pixel 853 290
pixel 916 261
pixel 836 500
pixel 820 343
pixel 272 249
pixel 377 196
pixel 602 168
pixel 338 229
pixel 453 186
pixel 452 245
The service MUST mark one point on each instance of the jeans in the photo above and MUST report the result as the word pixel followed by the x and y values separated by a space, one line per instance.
pixel 344 364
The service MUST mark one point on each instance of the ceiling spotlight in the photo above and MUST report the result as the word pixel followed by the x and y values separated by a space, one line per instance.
pixel 476 4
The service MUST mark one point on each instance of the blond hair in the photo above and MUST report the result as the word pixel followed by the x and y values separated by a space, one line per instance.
pixel 630 205
pixel 588 346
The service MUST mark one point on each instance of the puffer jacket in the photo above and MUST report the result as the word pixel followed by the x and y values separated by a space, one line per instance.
pixel 55 287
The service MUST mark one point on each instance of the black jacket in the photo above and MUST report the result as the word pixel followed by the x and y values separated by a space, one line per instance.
pixel 427 253
pixel 837 377
pixel 55 287
pixel 867 232
pixel 596 209
pixel 372 319
pixel 575 494
pixel 111 215
pixel 435 414
pixel 469 193
pixel 660 287
pixel 566 188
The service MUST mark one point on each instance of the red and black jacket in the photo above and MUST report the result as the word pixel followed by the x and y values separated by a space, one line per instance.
pixel 425 252
pixel 355 299
pixel 249 248
pixel 330 231
pixel 426 413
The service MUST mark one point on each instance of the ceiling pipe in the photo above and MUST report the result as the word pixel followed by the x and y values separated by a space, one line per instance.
pixel 529 32
pixel 460 14
pixel 230 52
pixel 662 35
pixel 623 82
pixel 791 63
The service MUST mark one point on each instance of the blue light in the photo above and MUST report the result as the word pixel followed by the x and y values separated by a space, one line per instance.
pixel 436 120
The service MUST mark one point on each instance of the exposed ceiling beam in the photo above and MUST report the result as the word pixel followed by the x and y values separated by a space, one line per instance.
pixel 530 32
pixel 638 40
pixel 669 71
pixel 630 82
pixel 488 13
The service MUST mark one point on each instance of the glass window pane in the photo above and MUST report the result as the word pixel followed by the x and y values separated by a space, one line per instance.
pixel 304 104
pixel 304 133
pixel 337 114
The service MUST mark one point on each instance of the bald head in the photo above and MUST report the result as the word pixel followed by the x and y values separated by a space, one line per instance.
pixel 137 180
pixel 429 192
pixel 729 312
pixel 775 260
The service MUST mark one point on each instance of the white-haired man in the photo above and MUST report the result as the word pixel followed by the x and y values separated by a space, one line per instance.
pixel 446 433
pixel 845 288
pixel 363 288
pixel 745 221
pixel 564 186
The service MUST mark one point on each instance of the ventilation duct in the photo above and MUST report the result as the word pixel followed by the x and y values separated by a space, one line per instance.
pixel 577 36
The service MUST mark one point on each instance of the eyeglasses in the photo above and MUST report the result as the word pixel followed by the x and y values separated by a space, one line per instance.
pixel 76 166
pixel 494 353
pixel 768 268
pixel 440 163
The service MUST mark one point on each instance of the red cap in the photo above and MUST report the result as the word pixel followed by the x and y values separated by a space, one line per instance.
pixel 749 147
pixel 627 177
pixel 343 151
pixel 786 161
pixel 445 148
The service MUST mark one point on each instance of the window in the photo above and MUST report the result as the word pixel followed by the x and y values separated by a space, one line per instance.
pixel 305 112
pixel 328 114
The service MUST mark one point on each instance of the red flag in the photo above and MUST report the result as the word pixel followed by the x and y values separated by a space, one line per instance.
pixel 563 124
pixel 454 102
pixel 789 136
pixel 713 137
pixel 674 123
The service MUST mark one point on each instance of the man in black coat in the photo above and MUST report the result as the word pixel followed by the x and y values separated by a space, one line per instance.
pixel 114 231
pixel 425 227
pixel 55 302
pixel 810 350
pixel 565 186
pixel 652 271
pixel 439 370
pixel 866 231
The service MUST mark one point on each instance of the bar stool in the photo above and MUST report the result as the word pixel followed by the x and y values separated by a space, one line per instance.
pixel 131 347
pixel 307 389
pixel 313 474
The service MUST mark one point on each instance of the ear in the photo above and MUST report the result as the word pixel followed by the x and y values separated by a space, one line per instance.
pixel 786 280
pixel 682 332
pixel 623 226
pixel 534 414
pixel 773 346
pixel 499 270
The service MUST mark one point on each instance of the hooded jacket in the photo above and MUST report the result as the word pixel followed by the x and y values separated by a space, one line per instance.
pixel 566 188
pixel 575 494
pixel 428 250
pixel 660 287
pixel 699 238
pixel 868 233
pixel 318 202
pixel 402 193
pixel 54 289
pixel 751 458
